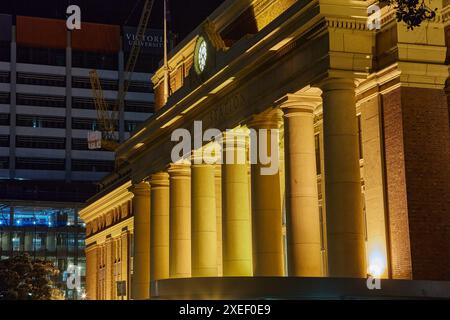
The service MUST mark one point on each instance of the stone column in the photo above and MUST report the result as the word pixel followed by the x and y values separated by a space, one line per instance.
pixel 346 248
pixel 266 202
pixel 91 272
pixel 141 259
pixel 180 221
pixel 204 224
pixel 159 243
pixel 237 228
pixel 302 207
pixel 218 189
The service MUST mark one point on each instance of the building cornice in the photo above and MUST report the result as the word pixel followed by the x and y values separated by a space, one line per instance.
pixel 114 198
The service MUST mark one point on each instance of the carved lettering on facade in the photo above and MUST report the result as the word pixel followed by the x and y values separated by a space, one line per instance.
pixel 227 108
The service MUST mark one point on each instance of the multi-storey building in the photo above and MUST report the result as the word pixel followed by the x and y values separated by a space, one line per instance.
pixel 46 112
pixel 363 182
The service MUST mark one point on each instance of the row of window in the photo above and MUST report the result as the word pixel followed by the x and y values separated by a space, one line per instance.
pixel 4 162
pixel 40 142
pixel 5 51
pixel 77 82
pixel 4 98
pixel 77 103
pixel 47 56
pixel 57 57
pixel 59 164
pixel 4 119
pixel 4 77
pixel 4 141
pixel 41 79
pixel 59 122
pixel 40 121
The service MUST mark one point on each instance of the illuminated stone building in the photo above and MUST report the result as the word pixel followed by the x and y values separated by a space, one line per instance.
pixel 363 185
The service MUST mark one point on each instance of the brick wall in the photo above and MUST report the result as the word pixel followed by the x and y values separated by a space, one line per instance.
pixel 396 186
pixel 417 151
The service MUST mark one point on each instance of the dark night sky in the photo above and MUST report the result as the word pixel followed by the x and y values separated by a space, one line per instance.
pixel 185 14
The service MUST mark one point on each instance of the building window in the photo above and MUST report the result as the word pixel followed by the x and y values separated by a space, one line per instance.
pixel 92 165
pixel 140 86
pixel 88 103
pixel 4 119
pixel 139 106
pixel 4 77
pixel 40 142
pixel 130 126
pixel 83 59
pixel 5 51
pixel 322 229
pixel 4 98
pixel 4 141
pixel 4 162
pixel 16 243
pixel 84 124
pixel 318 160
pixel 146 63
pixel 40 121
pixel 41 101
pixel 85 83
pixel 40 164
pixel 41 79
pixel 360 144
pixel 48 56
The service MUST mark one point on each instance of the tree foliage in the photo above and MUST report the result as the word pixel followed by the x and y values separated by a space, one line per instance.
pixel 412 12
pixel 22 278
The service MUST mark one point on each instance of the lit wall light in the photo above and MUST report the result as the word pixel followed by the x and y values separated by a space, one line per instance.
pixel 281 44
pixel 138 145
pixel 170 122
pixel 222 85
pixel 377 264
pixel 194 104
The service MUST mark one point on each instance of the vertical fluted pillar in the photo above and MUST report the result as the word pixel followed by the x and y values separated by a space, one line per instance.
pixel 141 259
pixel 237 229
pixel 218 189
pixel 180 221
pixel 204 221
pixel 302 207
pixel 159 234
pixel 345 232
pixel 266 201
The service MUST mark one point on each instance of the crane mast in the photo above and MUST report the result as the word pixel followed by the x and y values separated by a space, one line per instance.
pixel 108 117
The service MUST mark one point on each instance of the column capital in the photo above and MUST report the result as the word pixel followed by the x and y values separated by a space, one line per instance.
pixel 179 169
pixel 266 120
pixel 332 84
pixel 199 158
pixel 159 180
pixel 235 139
pixel 140 189
pixel 299 103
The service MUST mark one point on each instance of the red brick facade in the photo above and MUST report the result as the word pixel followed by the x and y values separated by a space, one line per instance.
pixel 417 153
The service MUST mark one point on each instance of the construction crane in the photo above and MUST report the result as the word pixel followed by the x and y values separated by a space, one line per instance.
pixel 108 117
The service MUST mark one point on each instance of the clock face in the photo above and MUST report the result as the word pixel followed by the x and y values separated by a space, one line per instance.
pixel 202 55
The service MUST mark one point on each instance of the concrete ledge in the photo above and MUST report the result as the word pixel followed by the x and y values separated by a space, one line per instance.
pixel 224 288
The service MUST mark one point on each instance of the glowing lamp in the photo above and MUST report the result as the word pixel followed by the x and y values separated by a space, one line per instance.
pixel 377 265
